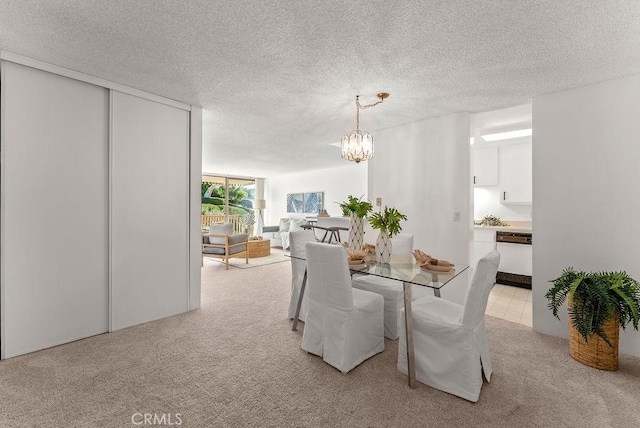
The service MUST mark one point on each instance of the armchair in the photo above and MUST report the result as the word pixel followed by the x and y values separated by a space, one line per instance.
pixel 221 243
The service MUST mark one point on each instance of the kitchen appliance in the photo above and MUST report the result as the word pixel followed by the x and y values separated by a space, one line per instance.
pixel 516 253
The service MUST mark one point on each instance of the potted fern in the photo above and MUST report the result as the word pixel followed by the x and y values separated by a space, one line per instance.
pixel 357 210
pixel 599 304
pixel 388 223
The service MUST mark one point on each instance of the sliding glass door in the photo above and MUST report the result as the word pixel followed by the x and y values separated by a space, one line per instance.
pixel 228 200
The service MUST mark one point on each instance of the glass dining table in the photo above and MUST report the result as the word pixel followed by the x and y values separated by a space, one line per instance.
pixel 405 270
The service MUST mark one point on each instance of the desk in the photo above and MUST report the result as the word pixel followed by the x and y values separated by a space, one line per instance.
pixel 404 269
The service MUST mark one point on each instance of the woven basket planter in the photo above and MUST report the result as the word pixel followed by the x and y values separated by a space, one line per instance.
pixel 596 352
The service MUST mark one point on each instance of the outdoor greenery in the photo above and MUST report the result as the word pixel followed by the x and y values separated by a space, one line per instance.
pixel 210 209
pixel 239 199
pixel 387 220
pixel 595 298
pixel 354 205
pixel 213 201
pixel 204 188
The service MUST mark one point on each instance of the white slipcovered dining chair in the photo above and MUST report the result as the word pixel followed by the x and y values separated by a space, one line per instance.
pixel 297 241
pixel 450 340
pixel 344 326
pixel 391 290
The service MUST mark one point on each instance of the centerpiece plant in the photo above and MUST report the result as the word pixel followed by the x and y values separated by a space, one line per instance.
pixel 355 206
pixel 388 223
pixel 357 210
pixel 599 303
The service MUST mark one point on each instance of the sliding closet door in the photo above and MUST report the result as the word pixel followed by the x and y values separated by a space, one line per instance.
pixel 55 209
pixel 149 210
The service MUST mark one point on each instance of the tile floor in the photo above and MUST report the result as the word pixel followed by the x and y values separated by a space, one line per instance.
pixel 511 304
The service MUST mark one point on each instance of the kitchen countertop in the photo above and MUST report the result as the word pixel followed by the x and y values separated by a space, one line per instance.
pixel 514 226
pixel 517 229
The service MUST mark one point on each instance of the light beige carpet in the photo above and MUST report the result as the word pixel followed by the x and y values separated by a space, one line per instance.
pixel 236 363
pixel 277 256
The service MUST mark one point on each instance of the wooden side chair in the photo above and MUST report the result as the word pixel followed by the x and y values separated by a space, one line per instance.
pixel 221 243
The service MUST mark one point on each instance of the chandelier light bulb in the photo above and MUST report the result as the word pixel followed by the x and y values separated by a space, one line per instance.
pixel 357 146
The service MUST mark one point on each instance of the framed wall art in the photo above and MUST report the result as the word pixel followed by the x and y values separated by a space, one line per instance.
pixel 313 202
pixel 295 202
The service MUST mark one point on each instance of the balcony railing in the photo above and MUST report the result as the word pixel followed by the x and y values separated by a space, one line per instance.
pixel 206 220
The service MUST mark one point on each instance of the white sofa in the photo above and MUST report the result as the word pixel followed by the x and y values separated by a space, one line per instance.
pixel 279 235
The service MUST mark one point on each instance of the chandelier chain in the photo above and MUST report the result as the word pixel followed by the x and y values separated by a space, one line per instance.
pixel 362 107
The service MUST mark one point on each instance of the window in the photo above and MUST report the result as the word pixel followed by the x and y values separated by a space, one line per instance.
pixel 228 200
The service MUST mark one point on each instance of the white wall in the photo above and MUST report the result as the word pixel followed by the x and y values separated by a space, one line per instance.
pixel 423 170
pixel 195 171
pixel 487 202
pixel 586 154
pixel 336 183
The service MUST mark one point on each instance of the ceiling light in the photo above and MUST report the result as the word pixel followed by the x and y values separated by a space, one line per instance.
pixel 357 145
pixel 507 135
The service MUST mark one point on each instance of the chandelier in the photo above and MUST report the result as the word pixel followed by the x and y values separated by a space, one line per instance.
pixel 358 145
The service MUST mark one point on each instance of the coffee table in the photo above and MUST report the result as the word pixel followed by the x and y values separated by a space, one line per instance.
pixel 258 248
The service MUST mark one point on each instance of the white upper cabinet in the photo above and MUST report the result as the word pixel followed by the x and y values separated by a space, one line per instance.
pixel 485 166
pixel 516 173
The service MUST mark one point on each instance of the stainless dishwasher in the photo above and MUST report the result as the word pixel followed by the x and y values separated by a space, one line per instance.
pixel 516 254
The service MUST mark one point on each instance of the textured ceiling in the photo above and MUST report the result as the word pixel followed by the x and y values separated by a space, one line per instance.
pixel 277 79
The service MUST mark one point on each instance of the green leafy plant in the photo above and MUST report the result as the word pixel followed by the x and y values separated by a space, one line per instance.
pixel 595 297
pixel 357 206
pixel 388 220
pixel 491 220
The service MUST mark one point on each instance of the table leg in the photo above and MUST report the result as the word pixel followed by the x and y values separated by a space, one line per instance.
pixel 302 287
pixel 408 327
pixel 435 279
